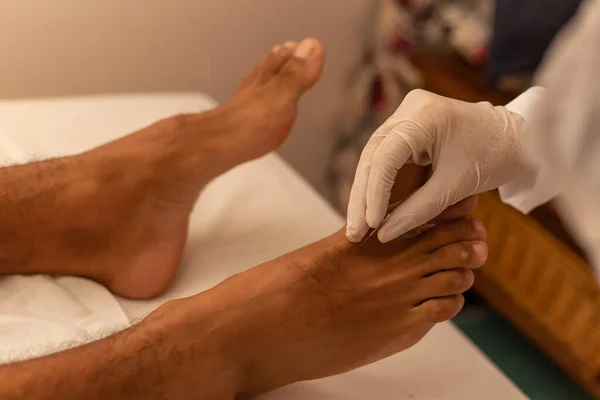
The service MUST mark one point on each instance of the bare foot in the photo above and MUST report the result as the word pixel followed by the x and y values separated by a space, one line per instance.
pixel 334 306
pixel 260 116
pixel 125 206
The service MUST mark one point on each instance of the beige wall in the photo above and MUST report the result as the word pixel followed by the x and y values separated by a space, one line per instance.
pixel 65 47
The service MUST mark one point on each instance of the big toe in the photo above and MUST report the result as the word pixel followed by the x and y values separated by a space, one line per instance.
pixel 302 69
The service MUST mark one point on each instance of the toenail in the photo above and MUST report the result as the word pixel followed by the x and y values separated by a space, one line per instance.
pixel 480 249
pixel 289 44
pixel 464 255
pixel 479 226
pixel 276 48
pixel 305 49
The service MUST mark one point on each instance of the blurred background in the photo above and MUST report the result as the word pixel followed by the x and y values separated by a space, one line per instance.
pixel 535 310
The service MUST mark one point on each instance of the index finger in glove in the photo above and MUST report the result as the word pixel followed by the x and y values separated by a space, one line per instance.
pixel 356 222
pixel 388 158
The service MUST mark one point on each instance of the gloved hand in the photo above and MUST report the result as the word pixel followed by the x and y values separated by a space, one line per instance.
pixel 473 148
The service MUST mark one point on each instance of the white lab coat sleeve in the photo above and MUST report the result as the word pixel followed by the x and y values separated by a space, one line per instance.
pixel 563 134
pixel 533 187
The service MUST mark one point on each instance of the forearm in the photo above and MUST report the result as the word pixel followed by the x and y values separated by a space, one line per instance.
pixel 152 360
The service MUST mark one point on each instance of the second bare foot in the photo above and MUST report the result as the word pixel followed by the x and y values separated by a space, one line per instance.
pixel 125 206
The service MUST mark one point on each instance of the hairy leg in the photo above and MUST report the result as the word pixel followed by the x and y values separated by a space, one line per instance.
pixel 327 308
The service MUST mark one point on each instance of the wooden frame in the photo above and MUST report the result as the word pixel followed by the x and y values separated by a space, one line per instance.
pixel 544 288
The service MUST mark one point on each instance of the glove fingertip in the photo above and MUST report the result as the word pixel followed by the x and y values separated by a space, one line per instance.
pixel 391 229
pixel 374 219
pixel 355 235
pixel 399 223
pixel 384 237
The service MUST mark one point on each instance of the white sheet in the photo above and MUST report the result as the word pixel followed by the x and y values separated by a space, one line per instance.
pixel 253 213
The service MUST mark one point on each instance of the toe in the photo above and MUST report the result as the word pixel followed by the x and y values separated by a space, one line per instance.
pixel 440 309
pixel 301 71
pixel 274 60
pixel 444 234
pixel 269 65
pixel 445 283
pixel 461 254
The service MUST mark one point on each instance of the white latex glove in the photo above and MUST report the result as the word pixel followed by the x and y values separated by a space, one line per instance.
pixel 473 147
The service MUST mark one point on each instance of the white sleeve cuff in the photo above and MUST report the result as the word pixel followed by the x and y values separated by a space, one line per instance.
pixel 533 187
pixel 526 102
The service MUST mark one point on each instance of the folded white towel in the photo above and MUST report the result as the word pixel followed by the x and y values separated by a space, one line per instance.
pixel 40 314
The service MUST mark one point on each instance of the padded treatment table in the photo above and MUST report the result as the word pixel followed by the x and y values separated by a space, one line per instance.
pixel 254 213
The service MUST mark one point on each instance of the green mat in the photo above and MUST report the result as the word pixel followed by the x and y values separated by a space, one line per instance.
pixel 536 375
